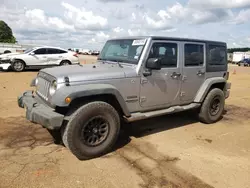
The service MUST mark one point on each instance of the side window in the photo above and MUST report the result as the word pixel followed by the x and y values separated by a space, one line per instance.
pixel 162 51
pixel 167 52
pixel 61 51
pixel 40 51
pixel 217 55
pixel 194 55
pixel 53 51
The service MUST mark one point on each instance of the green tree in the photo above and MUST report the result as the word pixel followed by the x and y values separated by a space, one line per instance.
pixel 231 50
pixel 6 34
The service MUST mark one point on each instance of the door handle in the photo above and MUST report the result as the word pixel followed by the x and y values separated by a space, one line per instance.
pixel 175 75
pixel 200 73
pixel 44 56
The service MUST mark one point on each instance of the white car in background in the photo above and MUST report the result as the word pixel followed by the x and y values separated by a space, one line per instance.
pixel 37 58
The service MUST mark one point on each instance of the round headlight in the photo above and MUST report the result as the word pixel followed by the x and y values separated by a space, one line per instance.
pixel 36 82
pixel 53 87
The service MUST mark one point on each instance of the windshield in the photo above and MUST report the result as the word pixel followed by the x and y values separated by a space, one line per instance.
pixel 28 50
pixel 126 50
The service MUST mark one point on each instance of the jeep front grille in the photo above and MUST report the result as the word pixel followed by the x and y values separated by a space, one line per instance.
pixel 43 88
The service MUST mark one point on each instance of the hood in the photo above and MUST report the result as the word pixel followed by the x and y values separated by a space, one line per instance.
pixel 89 72
pixel 8 55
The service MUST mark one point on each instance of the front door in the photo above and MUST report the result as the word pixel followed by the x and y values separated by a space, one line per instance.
pixel 193 73
pixel 162 87
pixel 39 58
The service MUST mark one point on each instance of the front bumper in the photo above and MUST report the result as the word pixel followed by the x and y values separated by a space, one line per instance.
pixel 38 112
pixel 5 66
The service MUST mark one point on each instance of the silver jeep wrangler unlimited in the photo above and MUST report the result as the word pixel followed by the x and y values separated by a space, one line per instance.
pixel 134 79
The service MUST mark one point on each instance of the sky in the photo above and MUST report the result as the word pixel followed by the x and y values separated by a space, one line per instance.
pixel 89 23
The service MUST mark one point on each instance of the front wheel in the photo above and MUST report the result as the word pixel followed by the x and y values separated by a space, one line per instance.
pixel 92 130
pixel 213 106
pixel 65 62
pixel 18 66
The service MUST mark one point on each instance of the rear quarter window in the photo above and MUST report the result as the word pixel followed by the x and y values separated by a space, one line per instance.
pixel 217 55
pixel 61 51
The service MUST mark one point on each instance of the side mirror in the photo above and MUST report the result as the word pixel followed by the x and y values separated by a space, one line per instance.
pixel 32 53
pixel 153 63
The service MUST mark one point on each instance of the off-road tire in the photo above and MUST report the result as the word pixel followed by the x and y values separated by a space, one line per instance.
pixel 71 132
pixel 22 66
pixel 205 115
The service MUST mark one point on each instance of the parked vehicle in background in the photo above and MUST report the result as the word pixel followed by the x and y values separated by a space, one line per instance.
pixel 239 56
pixel 244 62
pixel 85 52
pixel 15 48
pixel 10 48
pixel 134 78
pixel 39 57
pixel 95 52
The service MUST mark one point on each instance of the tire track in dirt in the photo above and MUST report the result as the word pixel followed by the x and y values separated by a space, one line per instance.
pixel 19 143
pixel 155 169
pixel 158 170
pixel 236 113
pixel 16 133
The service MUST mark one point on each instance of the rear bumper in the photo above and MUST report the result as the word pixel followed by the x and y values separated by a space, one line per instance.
pixel 39 113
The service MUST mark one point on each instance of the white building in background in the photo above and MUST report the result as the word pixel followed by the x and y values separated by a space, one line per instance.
pixel 238 56
pixel 82 50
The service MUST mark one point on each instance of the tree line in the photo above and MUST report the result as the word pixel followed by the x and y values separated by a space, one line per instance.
pixel 6 34
pixel 232 50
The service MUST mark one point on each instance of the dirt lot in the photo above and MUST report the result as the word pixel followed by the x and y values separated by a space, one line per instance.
pixel 170 151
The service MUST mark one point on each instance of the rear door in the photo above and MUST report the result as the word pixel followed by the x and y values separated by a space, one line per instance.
pixel 193 72
pixel 54 56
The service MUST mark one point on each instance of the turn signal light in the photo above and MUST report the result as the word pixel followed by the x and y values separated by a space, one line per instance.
pixel 68 100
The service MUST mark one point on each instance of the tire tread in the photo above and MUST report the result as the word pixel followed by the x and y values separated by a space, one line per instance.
pixel 204 114
pixel 67 133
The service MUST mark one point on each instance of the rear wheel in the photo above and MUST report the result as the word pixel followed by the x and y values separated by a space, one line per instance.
pixel 7 52
pixel 92 130
pixel 18 66
pixel 212 107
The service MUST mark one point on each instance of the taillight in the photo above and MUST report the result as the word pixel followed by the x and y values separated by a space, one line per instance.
pixel 226 75
pixel 76 55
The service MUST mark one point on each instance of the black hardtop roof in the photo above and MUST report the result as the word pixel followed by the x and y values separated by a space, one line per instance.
pixel 171 38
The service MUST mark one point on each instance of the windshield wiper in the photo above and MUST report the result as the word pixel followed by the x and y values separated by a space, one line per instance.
pixel 101 59
pixel 105 61
pixel 119 63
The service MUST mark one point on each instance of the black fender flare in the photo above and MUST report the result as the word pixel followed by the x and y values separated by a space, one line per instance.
pixel 205 87
pixel 78 91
